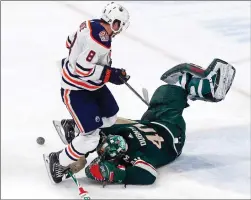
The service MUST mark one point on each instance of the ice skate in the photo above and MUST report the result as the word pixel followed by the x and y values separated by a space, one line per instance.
pixel 56 172
pixel 65 129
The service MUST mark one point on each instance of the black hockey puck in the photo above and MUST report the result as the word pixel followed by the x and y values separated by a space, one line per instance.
pixel 40 140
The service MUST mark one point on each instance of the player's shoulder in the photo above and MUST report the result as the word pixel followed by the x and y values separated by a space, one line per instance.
pixel 99 34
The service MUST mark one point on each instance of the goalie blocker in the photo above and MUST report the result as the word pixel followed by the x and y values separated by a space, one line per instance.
pixel 211 84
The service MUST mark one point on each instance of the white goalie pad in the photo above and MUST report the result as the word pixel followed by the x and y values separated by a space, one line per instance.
pixel 224 78
pixel 219 73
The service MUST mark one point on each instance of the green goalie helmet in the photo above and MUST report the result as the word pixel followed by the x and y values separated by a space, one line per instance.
pixel 112 146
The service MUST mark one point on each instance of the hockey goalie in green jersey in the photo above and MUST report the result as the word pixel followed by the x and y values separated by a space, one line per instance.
pixel 131 150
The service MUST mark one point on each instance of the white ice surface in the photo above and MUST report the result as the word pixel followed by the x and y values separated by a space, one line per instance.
pixel 216 158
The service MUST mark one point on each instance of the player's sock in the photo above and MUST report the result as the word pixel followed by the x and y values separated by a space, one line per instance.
pixel 79 147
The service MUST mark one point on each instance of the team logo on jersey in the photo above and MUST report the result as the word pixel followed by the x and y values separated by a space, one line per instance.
pixel 104 36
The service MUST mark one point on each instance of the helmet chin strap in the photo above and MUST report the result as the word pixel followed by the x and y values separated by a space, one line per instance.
pixel 114 33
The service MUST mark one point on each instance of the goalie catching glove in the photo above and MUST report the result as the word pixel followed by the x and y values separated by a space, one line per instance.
pixel 105 171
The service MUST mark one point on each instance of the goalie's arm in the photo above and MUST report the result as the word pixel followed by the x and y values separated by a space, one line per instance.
pixel 141 173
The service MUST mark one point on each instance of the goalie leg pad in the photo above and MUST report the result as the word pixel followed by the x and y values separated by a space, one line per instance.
pixel 225 74
pixel 211 84
pixel 215 86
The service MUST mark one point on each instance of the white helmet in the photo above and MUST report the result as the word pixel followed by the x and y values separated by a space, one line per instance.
pixel 114 12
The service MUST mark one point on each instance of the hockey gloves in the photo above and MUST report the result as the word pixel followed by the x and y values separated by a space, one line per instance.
pixel 105 171
pixel 114 75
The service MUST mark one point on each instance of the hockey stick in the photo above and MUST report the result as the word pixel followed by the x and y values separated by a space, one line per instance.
pixel 145 95
pixel 82 193
pixel 134 91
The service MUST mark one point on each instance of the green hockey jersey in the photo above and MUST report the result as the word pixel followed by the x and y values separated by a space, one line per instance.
pixel 155 140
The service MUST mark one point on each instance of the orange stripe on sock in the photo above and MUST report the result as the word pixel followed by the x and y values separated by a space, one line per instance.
pixel 70 151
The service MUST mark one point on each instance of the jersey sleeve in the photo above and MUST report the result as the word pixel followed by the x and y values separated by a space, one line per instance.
pixel 142 172
pixel 69 40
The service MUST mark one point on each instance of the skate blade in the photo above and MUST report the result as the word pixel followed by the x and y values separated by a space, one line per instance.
pixel 57 125
pixel 47 165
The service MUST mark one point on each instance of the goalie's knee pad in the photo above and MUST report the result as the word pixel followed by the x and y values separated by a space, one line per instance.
pixel 211 84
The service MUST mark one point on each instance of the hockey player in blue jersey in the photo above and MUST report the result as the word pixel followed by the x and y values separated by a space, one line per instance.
pixel 85 72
